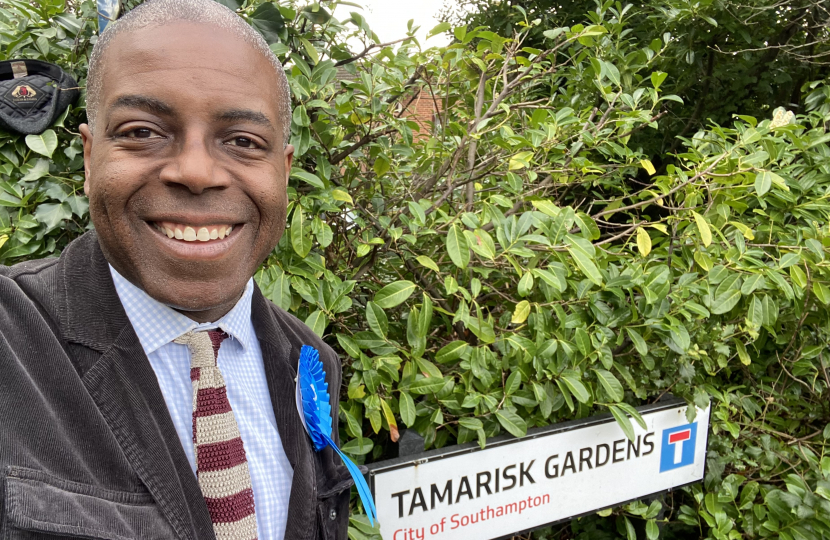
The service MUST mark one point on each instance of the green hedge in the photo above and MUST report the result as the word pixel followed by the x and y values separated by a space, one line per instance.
pixel 521 261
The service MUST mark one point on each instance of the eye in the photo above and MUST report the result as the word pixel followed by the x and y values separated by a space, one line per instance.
pixel 140 133
pixel 243 142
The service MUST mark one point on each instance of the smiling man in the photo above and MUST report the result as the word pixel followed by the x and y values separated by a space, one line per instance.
pixel 148 387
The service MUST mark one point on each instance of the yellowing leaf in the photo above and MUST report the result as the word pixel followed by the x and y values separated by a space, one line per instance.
pixel 643 242
pixel 742 354
pixel 426 262
pixel 521 312
pixel 703 229
pixel 341 195
pixel 746 231
pixel 3 238
pixel 648 166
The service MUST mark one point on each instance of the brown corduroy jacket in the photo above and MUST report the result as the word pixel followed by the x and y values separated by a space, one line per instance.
pixel 87 447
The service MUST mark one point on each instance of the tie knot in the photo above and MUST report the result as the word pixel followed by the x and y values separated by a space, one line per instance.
pixel 204 346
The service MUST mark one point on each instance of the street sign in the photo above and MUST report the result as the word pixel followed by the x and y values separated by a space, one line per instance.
pixel 553 474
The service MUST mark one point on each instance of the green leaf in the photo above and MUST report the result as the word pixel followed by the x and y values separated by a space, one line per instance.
pixel 394 294
pixel 546 207
pixel 512 422
pixel 752 283
pixel 521 312
pixel 268 20
pixel 407 409
pixel 377 320
pixel 52 215
pixel 623 421
pixel 821 291
pixel 525 284
pixel 726 302
pixel 583 341
pixel 514 382
pixel 417 212
pixel 317 321
pixel 576 387
pixel 586 265
pixel 652 531
pixel 703 229
pixel 300 239
pixel 638 341
pixel 742 354
pixel 657 78
pixel 357 447
pixel 443 27
pixel 427 385
pixel 348 345
pixel 310 50
pixel 457 247
pixel 426 262
pixel 450 353
pixel 308 178
pixel 473 424
pixel 611 385
pixel 481 242
pixel 763 181
pixel 44 144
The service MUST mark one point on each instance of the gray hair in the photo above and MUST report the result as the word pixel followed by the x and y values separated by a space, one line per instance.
pixel 161 12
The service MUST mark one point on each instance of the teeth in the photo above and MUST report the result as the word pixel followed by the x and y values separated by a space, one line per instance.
pixel 192 234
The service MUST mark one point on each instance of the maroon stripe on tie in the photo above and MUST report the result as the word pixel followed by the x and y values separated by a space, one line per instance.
pixel 221 455
pixel 232 508
pixel 195 373
pixel 216 339
pixel 210 401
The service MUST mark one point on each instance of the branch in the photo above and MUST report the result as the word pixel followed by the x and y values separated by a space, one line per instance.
pixel 367 50
pixel 366 139
pixel 670 192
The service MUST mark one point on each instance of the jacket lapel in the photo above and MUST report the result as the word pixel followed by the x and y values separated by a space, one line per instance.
pixel 124 387
pixel 280 358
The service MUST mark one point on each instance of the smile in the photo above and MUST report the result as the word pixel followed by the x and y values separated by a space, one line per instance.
pixel 193 233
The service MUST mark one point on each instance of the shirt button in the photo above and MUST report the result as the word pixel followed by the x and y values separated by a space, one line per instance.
pixel 332 514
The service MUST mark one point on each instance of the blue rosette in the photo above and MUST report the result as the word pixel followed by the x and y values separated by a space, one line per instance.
pixel 315 410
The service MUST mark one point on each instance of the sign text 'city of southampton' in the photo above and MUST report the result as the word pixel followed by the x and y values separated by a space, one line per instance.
pixel 554 473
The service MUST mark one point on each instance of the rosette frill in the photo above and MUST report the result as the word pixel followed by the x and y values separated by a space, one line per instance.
pixel 316 413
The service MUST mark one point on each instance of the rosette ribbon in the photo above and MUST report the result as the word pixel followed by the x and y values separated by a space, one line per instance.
pixel 315 411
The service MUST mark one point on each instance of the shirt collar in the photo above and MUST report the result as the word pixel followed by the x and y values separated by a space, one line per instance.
pixel 157 324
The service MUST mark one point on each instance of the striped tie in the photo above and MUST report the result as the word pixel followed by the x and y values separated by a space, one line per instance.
pixel 221 466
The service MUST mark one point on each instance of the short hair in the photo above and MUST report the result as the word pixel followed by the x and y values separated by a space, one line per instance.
pixel 161 12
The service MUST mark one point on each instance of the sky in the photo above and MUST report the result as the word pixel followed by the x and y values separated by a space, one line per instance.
pixel 388 18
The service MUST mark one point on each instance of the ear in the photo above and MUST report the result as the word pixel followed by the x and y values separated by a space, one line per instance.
pixel 289 159
pixel 86 139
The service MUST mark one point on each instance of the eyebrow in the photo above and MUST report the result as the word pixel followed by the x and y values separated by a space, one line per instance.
pixel 134 101
pixel 236 115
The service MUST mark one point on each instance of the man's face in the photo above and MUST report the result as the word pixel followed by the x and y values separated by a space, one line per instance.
pixel 186 172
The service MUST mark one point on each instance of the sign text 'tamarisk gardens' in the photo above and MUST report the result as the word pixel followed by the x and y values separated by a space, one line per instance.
pixel 552 474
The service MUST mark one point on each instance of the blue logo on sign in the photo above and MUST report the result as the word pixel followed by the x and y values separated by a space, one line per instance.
pixel 678 448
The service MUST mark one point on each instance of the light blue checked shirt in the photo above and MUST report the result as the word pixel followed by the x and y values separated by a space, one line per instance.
pixel 240 361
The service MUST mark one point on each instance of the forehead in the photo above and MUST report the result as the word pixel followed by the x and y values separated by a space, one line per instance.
pixel 189 62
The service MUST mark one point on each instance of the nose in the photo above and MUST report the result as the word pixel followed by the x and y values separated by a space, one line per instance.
pixel 193 166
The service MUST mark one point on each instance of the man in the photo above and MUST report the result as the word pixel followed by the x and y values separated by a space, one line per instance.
pixel 148 388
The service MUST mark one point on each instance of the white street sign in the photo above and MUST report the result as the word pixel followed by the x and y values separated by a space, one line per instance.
pixel 552 474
